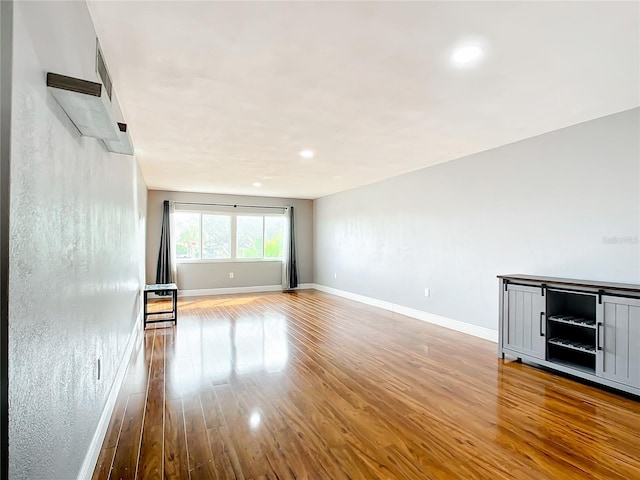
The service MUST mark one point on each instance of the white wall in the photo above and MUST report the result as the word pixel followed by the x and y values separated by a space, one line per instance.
pixel 565 204
pixel 76 251
pixel 212 275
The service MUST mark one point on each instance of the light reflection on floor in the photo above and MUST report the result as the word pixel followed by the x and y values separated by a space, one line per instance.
pixel 226 346
pixel 260 344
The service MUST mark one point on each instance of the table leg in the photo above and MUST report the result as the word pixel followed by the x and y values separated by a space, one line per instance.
pixel 145 309
pixel 175 307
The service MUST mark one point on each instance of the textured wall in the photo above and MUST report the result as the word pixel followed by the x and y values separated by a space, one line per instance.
pixel 566 204
pixel 195 276
pixel 76 261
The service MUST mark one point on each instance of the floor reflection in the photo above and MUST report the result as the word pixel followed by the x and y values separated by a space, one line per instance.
pixel 230 345
pixel 260 344
pixel 220 356
pixel 562 421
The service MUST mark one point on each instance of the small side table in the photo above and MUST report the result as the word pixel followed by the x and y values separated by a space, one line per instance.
pixel 162 288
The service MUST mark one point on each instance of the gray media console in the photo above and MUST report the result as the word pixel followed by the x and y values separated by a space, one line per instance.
pixel 583 328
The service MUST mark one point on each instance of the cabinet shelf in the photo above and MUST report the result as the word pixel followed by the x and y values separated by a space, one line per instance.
pixel 573 345
pixel 576 366
pixel 573 320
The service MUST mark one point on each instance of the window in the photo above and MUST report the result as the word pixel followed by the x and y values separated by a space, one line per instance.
pixel 274 237
pixel 216 236
pixel 250 237
pixel 187 227
pixel 204 236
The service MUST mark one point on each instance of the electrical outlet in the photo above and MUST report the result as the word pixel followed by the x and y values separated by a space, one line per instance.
pixel 427 292
pixel 335 275
pixel 230 274
pixel 99 368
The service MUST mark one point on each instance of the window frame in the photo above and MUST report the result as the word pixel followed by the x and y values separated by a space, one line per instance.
pixel 234 235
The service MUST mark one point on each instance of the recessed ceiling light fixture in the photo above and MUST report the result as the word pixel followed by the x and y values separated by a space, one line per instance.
pixel 257 184
pixel 467 55
pixel 306 153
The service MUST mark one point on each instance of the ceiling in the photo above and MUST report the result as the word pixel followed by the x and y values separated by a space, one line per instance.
pixel 221 95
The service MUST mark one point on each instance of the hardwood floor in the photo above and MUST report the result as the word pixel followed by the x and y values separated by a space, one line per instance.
pixel 308 385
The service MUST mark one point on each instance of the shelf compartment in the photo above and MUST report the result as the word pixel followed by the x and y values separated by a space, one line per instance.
pixel 562 354
pixel 570 364
pixel 574 320
pixel 573 345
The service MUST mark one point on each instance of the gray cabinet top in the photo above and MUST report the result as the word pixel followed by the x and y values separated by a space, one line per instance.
pixel 626 287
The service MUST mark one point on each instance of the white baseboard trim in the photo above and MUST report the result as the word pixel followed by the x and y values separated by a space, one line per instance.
pixel 446 322
pixel 93 452
pixel 232 290
pixel 203 292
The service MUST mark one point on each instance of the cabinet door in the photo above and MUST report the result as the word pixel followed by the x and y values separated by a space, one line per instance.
pixel 524 320
pixel 618 340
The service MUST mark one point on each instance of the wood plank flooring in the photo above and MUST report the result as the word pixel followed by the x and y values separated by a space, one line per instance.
pixel 311 386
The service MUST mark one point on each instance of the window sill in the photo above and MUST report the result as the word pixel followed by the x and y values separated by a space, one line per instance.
pixel 229 260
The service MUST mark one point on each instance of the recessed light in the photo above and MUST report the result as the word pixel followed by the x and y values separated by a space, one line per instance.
pixel 467 55
pixel 306 153
pixel 257 184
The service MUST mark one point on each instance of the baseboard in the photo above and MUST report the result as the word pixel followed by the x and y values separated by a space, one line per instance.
pixel 93 452
pixel 446 322
pixel 232 290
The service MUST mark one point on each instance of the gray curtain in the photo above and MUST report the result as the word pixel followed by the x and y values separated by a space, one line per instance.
pixel 289 266
pixel 164 271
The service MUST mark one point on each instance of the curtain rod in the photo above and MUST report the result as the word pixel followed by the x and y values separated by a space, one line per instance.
pixel 230 205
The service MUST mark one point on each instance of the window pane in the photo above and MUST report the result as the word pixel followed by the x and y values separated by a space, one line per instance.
pixel 273 237
pixel 249 237
pixel 187 226
pixel 216 236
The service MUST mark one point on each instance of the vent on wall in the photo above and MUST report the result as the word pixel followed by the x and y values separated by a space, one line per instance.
pixel 123 145
pixel 101 68
pixel 86 104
